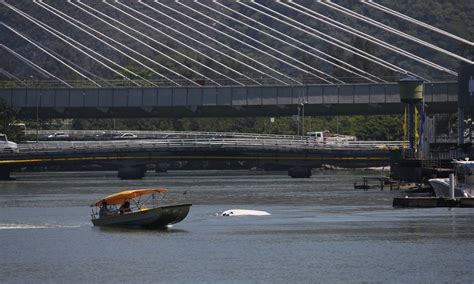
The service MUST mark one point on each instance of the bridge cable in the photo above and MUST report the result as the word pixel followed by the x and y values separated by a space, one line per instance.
pixel 188 46
pixel 392 30
pixel 57 34
pixel 352 31
pixel 172 38
pixel 307 46
pixel 258 30
pixel 59 14
pixel 415 21
pixel 65 39
pixel 201 43
pixel 11 76
pixel 157 42
pixel 271 48
pixel 75 65
pixel 253 47
pixel 213 40
pixel 43 72
pixel 50 55
pixel 130 49
pixel 40 70
pixel 141 41
pixel 240 53
pixel 327 38
pixel 335 24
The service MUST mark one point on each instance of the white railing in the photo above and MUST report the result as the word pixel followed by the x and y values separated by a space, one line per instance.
pixel 140 145
pixel 80 134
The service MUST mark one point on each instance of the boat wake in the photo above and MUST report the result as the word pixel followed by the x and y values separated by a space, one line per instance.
pixel 31 226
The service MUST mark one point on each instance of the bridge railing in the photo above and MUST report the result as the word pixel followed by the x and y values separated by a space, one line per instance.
pixel 104 134
pixel 97 135
pixel 139 145
pixel 117 83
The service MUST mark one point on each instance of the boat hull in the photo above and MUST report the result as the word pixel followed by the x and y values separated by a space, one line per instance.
pixel 441 188
pixel 154 218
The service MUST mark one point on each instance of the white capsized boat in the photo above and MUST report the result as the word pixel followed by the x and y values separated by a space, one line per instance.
pixel 464 181
pixel 244 212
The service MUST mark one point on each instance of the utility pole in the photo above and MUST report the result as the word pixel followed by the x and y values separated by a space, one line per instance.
pixel 298 120
pixel 38 102
pixel 302 106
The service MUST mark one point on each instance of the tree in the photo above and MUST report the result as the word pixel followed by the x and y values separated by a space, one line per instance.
pixel 7 121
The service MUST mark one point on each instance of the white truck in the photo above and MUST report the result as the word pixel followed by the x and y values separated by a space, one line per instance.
pixel 326 137
pixel 7 146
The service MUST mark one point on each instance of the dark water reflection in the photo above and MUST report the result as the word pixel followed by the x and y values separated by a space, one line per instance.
pixel 320 230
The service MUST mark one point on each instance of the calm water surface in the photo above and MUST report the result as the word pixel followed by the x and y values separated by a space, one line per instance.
pixel 320 230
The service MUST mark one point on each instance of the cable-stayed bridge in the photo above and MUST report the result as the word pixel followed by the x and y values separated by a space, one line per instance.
pixel 202 58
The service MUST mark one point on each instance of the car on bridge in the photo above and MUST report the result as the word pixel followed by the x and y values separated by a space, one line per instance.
pixel 7 146
pixel 126 136
pixel 58 135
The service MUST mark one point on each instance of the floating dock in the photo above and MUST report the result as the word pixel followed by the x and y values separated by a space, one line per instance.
pixel 431 202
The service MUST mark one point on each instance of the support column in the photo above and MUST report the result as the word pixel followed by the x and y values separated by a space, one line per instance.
pixel 460 126
pixel 411 126
pixel 411 93
pixel 132 172
pixel 161 167
pixel 299 172
pixel 5 173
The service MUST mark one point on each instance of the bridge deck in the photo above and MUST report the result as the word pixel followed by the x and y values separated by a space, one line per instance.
pixel 139 152
pixel 362 99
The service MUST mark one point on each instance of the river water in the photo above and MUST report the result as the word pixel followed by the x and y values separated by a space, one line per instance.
pixel 320 230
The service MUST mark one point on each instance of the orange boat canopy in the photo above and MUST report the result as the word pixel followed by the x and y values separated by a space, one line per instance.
pixel 121 197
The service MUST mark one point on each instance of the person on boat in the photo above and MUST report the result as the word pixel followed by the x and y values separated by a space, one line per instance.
pixel 104 211
pixel 125 207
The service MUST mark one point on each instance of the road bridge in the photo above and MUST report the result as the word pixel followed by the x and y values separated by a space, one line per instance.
pixel 131 157
pixel 222 101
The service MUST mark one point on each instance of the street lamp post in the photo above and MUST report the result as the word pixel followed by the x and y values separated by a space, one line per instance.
pixel 298 120
pixel 302 119
pixel 38 102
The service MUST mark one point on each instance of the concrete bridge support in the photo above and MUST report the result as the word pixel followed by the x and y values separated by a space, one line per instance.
pixel 132 172
pixel 5 173
pixel 299 172
pixel 161 167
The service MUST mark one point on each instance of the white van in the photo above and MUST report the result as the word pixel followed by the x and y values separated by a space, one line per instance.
pixel 317 135
pixel 7 146
pixel 330 138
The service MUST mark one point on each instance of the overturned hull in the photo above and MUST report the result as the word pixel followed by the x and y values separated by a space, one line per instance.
pixel 154 218
pixel 441 188
pixel 244 212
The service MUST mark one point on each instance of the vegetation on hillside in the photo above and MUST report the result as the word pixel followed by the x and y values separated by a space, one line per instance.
pixel 7 120
pixel 363 127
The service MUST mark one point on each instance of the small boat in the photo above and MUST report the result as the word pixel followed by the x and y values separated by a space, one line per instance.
pixel 464 181
pixel 139 208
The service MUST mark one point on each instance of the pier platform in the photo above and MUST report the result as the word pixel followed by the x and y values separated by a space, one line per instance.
pixel 431 202
pixel 380 183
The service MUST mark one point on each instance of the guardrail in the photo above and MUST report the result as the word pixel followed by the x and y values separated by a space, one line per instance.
pixel 137 145
pixel 107 83
pixel 79 134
